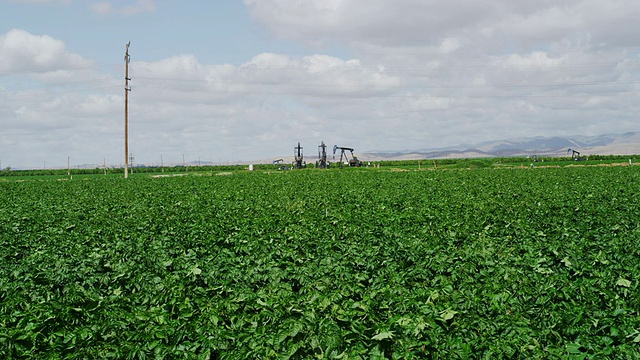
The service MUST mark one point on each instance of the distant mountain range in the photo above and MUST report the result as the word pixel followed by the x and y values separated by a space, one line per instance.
pixel 608 144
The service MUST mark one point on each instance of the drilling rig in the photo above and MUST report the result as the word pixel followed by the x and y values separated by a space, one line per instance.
pixel 298 159
pixel 353 162
pixel 322 162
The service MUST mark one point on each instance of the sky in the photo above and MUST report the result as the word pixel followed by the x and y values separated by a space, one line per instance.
pixel 244 81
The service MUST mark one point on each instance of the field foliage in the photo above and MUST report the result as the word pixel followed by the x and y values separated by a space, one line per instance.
pixel 352 264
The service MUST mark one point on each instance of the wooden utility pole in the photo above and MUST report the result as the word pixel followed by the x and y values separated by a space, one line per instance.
pixel 126 111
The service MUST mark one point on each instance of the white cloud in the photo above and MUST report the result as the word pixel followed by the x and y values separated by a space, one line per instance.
pixel 102 7
pixel 107 7
pixel 532 60
pixel 30 53
pixel 64 2
pixel 422 23
pixel 416 74
pixel 382 22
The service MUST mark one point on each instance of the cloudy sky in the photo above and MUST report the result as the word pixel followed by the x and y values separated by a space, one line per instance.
pixel 231 80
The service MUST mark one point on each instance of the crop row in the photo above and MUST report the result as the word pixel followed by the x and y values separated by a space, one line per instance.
pixel 355 264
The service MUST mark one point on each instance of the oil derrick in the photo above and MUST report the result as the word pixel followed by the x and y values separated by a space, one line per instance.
pixel 298 162
pixel 322 162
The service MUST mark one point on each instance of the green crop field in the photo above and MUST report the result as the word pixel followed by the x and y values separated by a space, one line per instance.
pixel 351 264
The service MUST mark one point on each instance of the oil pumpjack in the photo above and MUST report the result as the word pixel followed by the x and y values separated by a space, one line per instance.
pixel 298 162
pixel 575 155
pixel 353 162
pixel 281 165
pixel 322 162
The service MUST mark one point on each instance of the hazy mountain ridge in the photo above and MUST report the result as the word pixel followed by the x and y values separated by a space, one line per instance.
pixel 605 144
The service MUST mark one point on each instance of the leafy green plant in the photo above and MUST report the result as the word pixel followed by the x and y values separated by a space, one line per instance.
pixel 489 263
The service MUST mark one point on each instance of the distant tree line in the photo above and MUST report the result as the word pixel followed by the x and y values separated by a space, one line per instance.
pixel 426 163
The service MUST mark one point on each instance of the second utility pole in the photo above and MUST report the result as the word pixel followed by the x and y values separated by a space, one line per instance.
pixel 126 112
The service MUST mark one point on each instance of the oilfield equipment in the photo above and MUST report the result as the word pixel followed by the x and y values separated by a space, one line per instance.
pixel 575 155
pixel 353 161
pixel 281 163
pixel 346 157
pixel 322 162
pixel 298 158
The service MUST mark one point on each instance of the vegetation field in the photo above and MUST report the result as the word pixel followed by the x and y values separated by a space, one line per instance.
pixel 352 264
pixel 9 174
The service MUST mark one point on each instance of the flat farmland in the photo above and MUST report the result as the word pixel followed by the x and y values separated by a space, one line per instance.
pixel 349 264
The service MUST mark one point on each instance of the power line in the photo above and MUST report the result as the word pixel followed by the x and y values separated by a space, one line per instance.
pixel 31 95
pixel 431 85
pixel 22 96
pixel 40 70
pixel 366 96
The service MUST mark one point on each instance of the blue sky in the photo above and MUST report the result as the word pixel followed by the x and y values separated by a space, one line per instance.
pixel 245 81
pixel 214 31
